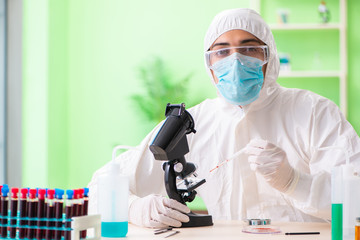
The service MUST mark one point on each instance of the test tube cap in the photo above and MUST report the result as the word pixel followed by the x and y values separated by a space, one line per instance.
pixel 5 191
pixel 14 192
pixel 76 193
pixel 32 193
pixel 69 194
pixel 86 192
pixel 41 193
pixel 59 193
pixel 50 193
pixel 81 192
pixel 23 192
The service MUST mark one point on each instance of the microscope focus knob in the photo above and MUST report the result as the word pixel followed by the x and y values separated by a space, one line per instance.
pixel 178 167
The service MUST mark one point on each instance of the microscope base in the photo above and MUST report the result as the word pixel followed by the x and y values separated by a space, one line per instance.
pixel 198 220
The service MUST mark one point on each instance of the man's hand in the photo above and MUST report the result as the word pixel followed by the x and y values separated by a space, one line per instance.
pixel 157 211
pixel 271 162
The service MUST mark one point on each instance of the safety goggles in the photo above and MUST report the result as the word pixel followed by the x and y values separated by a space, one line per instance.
pixel 258 52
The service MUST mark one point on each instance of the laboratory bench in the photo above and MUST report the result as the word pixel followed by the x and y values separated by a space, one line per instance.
pixel 224 230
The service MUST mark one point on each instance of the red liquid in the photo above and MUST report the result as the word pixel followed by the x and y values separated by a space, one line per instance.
pixel 40 233
pixel 79 209
pixel 32 214
pixel 75 210
pixel 4 212
pixel 69 215
pixel 50 213
pixel 58 215
pixel 23 213
pixel 14 207
pixel 85 212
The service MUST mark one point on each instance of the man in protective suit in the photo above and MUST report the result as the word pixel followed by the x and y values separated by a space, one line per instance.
pixel 282 174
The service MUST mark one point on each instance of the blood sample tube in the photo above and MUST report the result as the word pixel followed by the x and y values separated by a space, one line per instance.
pixel 4 210
pixel 69 209
pixel 86 201
pixel 80 201
pixel 32 213
pixel 46 197
pixel 40 233
pixel 23 212
pixel 85 208
pixel 58 212
pixel 14 207
pixel 37 197
pixel 0 199
pixel 50 214
pixel 75 203
pixel 81 207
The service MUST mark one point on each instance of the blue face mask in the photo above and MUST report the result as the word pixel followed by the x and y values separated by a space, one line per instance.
pixel 240 78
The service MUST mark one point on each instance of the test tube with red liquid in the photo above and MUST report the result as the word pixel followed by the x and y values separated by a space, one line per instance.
pixel 58 212
pixel 50 214
pixel 0 200
pixel 80 202
pixel 23 212
pixel 32 203
pixel 85 208
pixel 75 203
pixel 40 233
pixel 4 210
pixel 69 212
pixel 14 208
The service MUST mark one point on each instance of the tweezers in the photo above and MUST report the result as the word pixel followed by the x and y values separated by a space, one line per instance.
pixel 162 230
pixel 171 234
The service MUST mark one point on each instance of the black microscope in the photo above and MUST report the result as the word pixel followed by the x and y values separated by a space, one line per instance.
pixel 170 144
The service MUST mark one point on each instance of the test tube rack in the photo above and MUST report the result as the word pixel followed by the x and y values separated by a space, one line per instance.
pixel 10 227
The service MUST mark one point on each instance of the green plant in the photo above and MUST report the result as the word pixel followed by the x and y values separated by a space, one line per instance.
pixel 161 88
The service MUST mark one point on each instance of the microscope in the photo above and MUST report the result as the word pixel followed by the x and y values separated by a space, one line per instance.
pixel 170 145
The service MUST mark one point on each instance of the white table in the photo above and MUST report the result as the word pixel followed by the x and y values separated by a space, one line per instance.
pixel 223 230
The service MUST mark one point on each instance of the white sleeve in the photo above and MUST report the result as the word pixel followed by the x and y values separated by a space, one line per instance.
pixel 311 192
pixel 145 173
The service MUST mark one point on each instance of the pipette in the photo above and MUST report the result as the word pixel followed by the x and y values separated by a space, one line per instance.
pixel 228 160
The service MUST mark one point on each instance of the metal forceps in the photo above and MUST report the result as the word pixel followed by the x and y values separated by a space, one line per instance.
pixel 164 230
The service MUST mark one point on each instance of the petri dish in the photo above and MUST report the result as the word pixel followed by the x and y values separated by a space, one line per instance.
pixel 262 229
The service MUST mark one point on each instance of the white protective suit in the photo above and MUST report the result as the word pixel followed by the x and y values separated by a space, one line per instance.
pixel 295 120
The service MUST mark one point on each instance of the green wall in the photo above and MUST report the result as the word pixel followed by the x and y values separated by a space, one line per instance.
pixel 353 59
pixel 80 69
pixel 35 94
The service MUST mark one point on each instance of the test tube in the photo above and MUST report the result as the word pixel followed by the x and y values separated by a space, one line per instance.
pixel 14 208
pixel 0 201
pixel 69 212
pixel 32 203
pixel 27 211
pixel 23 212
pixel 75 203
pixel 80 202
pixel 86 201
pixel 58 211
pixel 4 210
pixel 81 207
pixel 46 197
pixel 85 208
pixel 50 214
pixel 41 214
